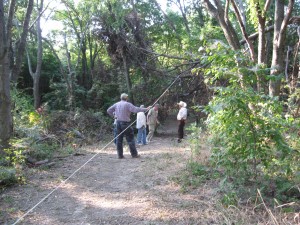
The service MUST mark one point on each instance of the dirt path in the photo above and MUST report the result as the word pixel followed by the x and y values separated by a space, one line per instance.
pixel 113 191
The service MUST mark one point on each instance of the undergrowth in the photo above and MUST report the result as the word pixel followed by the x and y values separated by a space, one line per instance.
pixel 41 135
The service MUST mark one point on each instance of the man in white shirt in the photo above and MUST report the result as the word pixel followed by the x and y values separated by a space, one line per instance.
pixel 181 117
pixel 141 126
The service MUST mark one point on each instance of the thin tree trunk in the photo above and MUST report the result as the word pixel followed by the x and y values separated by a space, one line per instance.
pixel 183 13
pixel 280 25
pixel 218 12
pixel 243 28
pixel 261 61
pixel 69 77
pixel 286 71
pixel 37 74
pixel 14 73
pixel 127 77
pixel 295 63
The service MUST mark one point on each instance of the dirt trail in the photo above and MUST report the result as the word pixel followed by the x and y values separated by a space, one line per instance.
pixel 112 191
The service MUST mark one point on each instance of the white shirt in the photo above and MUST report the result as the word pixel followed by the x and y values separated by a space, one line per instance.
pixel 140 120
pixel 182 114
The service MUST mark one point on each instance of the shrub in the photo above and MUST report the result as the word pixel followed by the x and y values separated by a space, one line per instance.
pixel 247 132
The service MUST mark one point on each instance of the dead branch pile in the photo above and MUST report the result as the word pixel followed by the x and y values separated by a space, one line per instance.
pixel 78 127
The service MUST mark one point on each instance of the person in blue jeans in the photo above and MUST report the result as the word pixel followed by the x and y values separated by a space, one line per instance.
pixel 141 126
pixel 115 131
pixel 122 111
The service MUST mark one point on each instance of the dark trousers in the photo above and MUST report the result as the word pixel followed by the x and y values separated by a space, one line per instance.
pixel 129 134
pixel 181 124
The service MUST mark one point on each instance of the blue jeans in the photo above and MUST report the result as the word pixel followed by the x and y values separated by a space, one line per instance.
pixel 129 134
pixel 141 136
pixel 115 133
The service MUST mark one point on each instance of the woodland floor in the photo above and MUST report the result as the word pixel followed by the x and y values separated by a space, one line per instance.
pixel 108 190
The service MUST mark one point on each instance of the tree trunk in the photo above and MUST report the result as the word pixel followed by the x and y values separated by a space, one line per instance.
pixel 243 29
pixel 85 74
pixel 6 124
pixel 127 77
pixel 261 61
pixel 37 74
pixel 218 12
pixel 69 77
pixel 280 24
pixel 183 13
pixel 295 64
pixel 14 73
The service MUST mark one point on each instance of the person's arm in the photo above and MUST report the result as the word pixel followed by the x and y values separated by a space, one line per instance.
pixel 111 110
pixel 135 109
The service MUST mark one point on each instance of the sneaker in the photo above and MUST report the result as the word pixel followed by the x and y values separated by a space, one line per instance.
pixel 136 156
pixel 121 157
pixel 179 140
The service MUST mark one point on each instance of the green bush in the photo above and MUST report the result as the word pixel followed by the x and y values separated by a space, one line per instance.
pixel 247 132
pixel 41 151
pixel 247 127
pixel 7 175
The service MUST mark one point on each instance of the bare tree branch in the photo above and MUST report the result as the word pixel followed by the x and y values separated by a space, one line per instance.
pixel 250 44
pixel 286 20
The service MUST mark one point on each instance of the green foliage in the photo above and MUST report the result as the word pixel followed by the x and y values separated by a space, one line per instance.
pixel 196 138
pixel 14 155
pixel 247 130
pixel 250 136
pixel 229 199
pixel 7 175
pixel 99 97
pixel 23 106
pixel 246 127
pixel 209 33
pixel 41 151
pixel 27 122
pixel 58 98
pixel 12 163
pixel 193 176
pixel 197 169
pixel 286 190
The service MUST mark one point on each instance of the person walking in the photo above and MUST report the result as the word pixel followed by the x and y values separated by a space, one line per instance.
pixel 123 110
pixel 181 118
pixel 141 126
pixel 152 121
